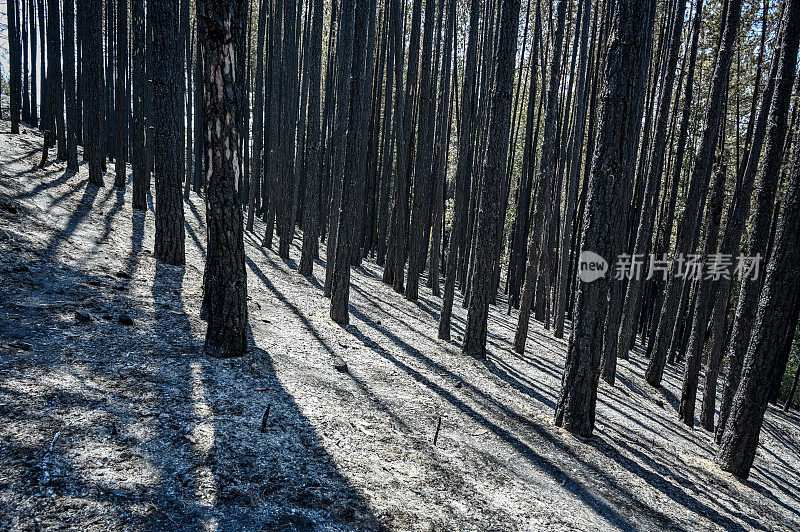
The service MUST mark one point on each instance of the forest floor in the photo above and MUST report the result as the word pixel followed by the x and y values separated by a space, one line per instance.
pixel 107 425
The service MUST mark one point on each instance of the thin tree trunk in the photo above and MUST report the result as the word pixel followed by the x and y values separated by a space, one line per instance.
pixel 15 65
pixel 139 159
pixel 311 214
pixel 762 216
pixel 538 246
pixel 121 98
pixel 644 232
pixel 689 228
pixel 704 288
pixel 493 172
pixel 73 119
pixel 256 176
pixel 463 173
pixel 737 217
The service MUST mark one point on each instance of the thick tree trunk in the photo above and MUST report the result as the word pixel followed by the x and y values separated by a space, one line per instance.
pixel 344 52
pixel 612 172
pixel 94 114
pixel 422 189
pixel 288 179
pixel 167 65
pixel 353 167
pixel 225 281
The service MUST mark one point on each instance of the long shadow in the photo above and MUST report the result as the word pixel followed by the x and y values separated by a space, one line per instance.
pixel 319 338
pixel 602 508
pixel 552 470
pixel 81 211
pixel 38 189
pixel 301 492
pixel 137 241
pixel 663 485
pixel 118 203
pixel 516 381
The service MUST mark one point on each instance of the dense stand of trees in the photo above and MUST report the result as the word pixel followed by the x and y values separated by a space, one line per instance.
pixel 624 171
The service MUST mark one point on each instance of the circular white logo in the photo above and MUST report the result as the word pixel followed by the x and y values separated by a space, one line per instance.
pixel 591 266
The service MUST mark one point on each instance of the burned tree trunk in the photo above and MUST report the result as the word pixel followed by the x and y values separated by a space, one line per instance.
pixel 538 244
pixel 225 280
pixel 493 171
pixel 94 113
pixel 121 96
pixel 772 326
pixel 353 168
pixel 612 171
pixel 313 144
pixel 167 66
pixel 762 217
pixel 689 227
pixel 289 104
pixel 644 232
pixel 422 188
pixel 141 169
pixel 463 172
pixel 257 172
pixel 15 66
pixel 55 128
pixel 73 119
pixel 704 289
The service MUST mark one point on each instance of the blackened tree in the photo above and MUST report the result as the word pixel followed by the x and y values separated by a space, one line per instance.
pixel 225 280
pixel 612 172
pixel 166 61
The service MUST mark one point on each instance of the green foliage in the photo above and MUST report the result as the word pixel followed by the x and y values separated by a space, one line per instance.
pixel 788 376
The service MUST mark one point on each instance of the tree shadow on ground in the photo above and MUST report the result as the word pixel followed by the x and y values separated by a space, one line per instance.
pixel 181 432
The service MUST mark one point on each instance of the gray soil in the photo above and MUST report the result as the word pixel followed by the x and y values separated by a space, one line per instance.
pixel 107 425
